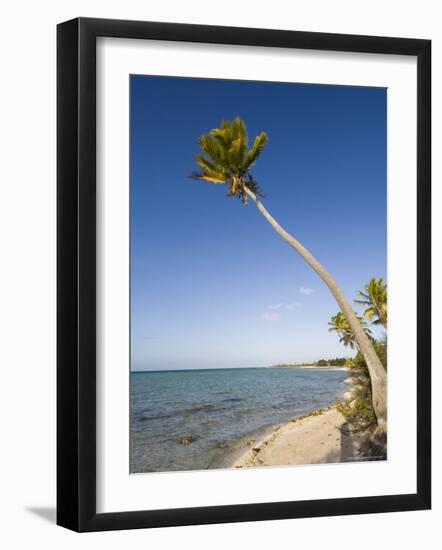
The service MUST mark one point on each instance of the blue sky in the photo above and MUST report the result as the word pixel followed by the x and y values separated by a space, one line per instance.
pixel 212 284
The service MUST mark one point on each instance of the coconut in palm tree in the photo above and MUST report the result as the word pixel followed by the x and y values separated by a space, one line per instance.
pixel 226 159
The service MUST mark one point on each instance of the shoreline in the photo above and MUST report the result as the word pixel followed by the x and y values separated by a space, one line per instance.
pixel 310 367
pixel 319 437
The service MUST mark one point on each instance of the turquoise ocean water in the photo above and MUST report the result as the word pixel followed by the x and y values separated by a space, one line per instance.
pixel 219 409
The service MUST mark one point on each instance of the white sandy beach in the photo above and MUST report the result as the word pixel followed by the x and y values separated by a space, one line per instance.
pixel 315 439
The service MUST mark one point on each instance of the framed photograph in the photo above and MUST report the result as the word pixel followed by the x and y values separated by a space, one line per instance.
pixel 243 274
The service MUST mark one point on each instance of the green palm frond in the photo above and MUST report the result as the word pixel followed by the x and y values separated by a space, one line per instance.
pixel 213 149
pixel 339 324
pixel 258 146
pixel 220 136
pixel 374 299
pixel 369 313
pixel 237 152
pixel 205 164
pixel 240 130
pixel 365 302
pixel 209 171
pixel 205 177
pixel 227 159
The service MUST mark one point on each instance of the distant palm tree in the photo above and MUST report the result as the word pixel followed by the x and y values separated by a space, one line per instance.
pixel 226 159
pixel 339 324
pixel 375 300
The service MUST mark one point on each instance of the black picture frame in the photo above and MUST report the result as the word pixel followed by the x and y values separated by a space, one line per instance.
pixel 76 274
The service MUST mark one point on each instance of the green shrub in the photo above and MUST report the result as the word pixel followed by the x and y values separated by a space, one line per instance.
pixel 380 347
pixel 358 410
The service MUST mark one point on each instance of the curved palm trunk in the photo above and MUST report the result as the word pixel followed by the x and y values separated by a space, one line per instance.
pixel 376 370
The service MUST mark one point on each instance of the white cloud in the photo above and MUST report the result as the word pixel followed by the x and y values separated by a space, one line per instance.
pixel 292 305
pixel 276 306
pixel 268 316
pixel 305 290
pixel 273 311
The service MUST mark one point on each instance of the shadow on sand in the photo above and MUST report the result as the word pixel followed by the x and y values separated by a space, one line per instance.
pixel 348 449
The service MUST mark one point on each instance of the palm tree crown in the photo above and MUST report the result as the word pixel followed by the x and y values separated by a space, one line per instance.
pixel 375 300
pixel 227 159
pixel 339 324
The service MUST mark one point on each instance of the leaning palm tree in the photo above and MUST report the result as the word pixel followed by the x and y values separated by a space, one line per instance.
pixel 375 301
pixel 339 324
pixel 226 159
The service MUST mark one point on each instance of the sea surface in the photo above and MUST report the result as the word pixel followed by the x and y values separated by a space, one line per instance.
pixel 219 409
